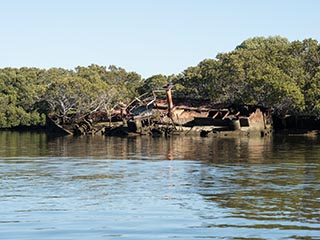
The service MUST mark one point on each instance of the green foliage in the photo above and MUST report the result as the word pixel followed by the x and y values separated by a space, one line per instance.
pixel 272 72
pixel 281 74
pixel 154 82
pixel 312 95
pixel 199 82
pixel 126 83
pixel 264 71
pixel 19 91
pixel 27 94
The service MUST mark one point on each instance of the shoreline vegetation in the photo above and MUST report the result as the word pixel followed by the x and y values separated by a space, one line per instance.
pixel 272 73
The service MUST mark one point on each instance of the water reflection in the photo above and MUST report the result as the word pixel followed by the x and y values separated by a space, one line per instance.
pixel 13 144
pixel 265 193
pixel 214 150
pixel 208 149
pixel 225 188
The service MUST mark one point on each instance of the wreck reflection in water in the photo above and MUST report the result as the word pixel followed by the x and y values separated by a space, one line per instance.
pixel 229 149
pixel 125 188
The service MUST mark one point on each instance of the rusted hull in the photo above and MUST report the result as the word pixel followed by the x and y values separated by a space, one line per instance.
pixel 256 123
pixel 148 115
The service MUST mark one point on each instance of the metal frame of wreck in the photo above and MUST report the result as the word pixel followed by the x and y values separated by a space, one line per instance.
pixel 160 122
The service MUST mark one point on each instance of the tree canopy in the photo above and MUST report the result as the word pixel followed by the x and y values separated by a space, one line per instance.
pixel 272 72
pixel 27 94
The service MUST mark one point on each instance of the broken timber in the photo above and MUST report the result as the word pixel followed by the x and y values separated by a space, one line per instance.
pixel 148 115
pixel 152 115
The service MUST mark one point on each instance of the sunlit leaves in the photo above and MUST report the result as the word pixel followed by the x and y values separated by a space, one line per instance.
pixel 154 82
pixel 265 71
pixel 272 72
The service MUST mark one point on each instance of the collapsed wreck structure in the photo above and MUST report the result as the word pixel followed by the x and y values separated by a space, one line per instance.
pixel 156 115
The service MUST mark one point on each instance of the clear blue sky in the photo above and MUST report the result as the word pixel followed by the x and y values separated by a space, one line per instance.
pixel 148 37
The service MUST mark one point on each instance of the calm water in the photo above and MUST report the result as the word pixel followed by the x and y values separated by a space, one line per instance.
pixel 155 188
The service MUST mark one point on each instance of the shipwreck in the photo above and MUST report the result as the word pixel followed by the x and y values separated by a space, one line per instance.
pixel 158 114
pixel 151 115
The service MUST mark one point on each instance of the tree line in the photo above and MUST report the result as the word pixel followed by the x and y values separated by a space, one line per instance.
pixel 271 72
pixel 27 95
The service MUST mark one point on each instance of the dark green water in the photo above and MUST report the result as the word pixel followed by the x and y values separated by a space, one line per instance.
pixel 156 188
